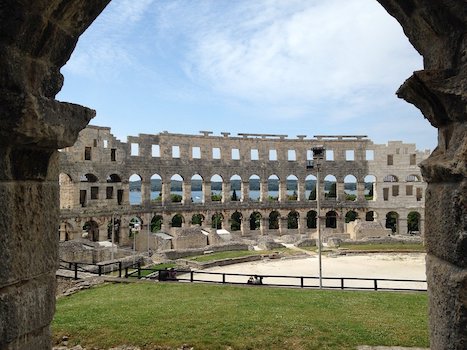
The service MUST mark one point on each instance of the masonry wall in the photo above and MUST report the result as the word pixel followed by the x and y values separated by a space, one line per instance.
pixel 96 171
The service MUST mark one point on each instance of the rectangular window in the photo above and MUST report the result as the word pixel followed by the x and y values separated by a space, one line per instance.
pixel 369 154
pixel 119 197
pixel 134 149
pixel 82 197
pixel 254 154
pixel 94 192
pixel 106 143
pixel 350 154
pixel 155 151
pixel 390 159
pixel 395 190
pixel 329 154
pixel 196 152
pixel 419 194
pixel 409 190
pixel 235 154
pixel 272 154
pixel 113 154
pixel 175 151
pixel 413 159
pixel 291 155
pixel 109 192
pixel 216 153
pixel 385 193
pixel 309 154
pixel 87 153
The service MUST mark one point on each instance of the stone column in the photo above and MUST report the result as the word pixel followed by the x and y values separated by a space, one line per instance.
pixel 244 225
pixel 437 30
pixel 301 192
pixel 165 192
pixel 360 191
pixel 226 192
pixel 37 39
pixel 340 194
pixel 146 192
pixel 402 225
pixel 245 191
pixel 263 197
pixel 186 193
pixel 282 190
pixel 207 191
pixel 302 229
pixel 264 225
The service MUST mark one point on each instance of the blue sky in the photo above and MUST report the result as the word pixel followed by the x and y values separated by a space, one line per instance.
pixel 290 67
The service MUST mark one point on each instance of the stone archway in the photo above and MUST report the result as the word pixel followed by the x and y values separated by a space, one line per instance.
pixel 38 38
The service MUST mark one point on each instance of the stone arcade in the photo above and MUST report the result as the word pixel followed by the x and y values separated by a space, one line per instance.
pixel 372 182
pixel 38 37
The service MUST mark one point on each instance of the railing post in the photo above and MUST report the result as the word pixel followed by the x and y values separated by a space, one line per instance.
pixel 126 272
pixel 76 271
pixel 191 276
pixel 342 283
pixel 120 269
pixel 301 282
pixel 376 284
pixel 223 278
pixel 99 269
pixel 139 270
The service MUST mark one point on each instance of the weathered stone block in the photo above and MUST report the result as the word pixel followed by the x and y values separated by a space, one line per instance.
pixel 448 304
pixel 26 308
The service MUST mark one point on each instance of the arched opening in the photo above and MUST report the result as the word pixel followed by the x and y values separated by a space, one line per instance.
pixel 134 183
pixel 292 220
pixel 66 191
pixel 176 188
pixel 351 215
pixel 274 218
pixel 350 188
pixel 197 219
pixel 91 230
pixel 217 220
pixel 311 219
pixel 135 224
pixel 370 216
pixel 114 178
pixel 197 195
pixel 156 223
pixel 177 220
pixel 331 219
pixel 390 178
pixel 273 188
pixel 330 187
pixel 412 178
pixel 292 188
pixel 156 188
pixel 255 221
pixel 65 231
pixel 254 189
pixel 236 221
pixel 370 187
pixel 413 222
pixel 310 187
pixel 88 178
pixel 235 188
pixel 216 188
pixel 392 221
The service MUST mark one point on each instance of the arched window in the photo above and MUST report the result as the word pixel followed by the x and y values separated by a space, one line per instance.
pixel 292 220
pixel 235 188
pixel 255 221
pixel 135 189
pixel 330 187
pixel 292 188
pixel 273 188
pixel 311 219
pixel 197 195
pixel 236 221
pixel 350 188
pixel 331 219
pixel 274 218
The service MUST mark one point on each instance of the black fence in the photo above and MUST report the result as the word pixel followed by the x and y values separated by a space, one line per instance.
pixel 352 283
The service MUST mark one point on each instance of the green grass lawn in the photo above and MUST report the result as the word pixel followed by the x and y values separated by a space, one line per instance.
pixel 231 317
pixel 241 253
pixel 386 247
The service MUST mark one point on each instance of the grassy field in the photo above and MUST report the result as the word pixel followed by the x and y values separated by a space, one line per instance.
pixel 386 247
pixel 227 317
pixel 241 253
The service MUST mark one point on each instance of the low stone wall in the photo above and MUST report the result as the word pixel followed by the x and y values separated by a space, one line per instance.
pixel 385 240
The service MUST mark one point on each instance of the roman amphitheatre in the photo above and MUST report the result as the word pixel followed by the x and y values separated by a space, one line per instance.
pixel 37 39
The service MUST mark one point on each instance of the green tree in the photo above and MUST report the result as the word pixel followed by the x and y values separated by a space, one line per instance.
pixel 156 223
pixel 413 220
pixel 312 196
pixel 197 219
pixel 234 196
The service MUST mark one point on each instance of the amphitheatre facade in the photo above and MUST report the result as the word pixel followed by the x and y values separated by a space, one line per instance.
pixel 255 184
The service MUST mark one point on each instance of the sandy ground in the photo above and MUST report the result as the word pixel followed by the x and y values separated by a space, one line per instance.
pixel 380 266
